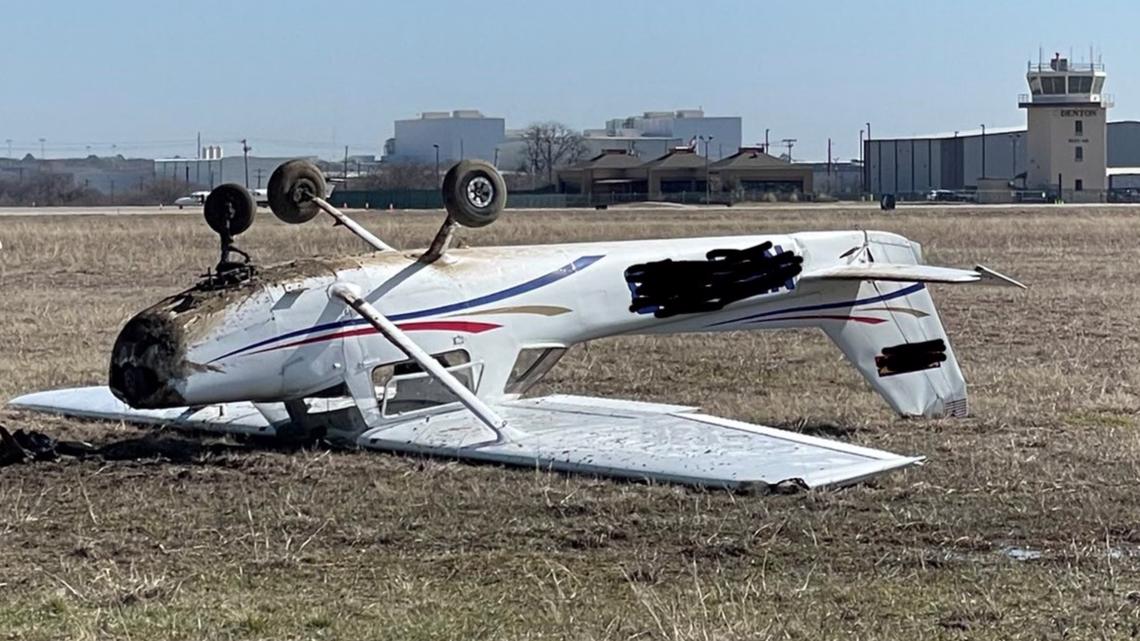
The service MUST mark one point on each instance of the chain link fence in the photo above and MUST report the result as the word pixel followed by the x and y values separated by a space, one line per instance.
pixel 432 199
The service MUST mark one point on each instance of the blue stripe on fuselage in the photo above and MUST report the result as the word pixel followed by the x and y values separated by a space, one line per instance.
pixel 811 308
pixel 562 272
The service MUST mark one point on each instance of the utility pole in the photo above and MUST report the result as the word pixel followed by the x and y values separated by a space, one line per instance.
pixel 766 140
pixel 346 166
pixel 198 153
pixel 829 156
pixel 259 172
pixel 245 149
pixel 860 145
pixel 789 142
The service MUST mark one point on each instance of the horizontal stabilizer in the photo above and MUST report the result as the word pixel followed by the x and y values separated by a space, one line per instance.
pixel 909 274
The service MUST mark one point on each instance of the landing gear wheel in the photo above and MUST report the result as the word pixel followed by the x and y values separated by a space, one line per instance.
pixel 291 189
pixel 229 209
pixel 474 193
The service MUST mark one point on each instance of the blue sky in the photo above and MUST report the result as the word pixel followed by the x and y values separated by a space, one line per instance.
pixel 310 77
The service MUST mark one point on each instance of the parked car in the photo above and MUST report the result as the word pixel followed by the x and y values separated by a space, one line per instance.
pixel 941 194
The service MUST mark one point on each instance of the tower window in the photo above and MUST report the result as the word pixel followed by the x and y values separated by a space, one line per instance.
pixel 1053 84
pixel 1080 84
pixel 1079 127
pixel 1079 185
pixel 1079 153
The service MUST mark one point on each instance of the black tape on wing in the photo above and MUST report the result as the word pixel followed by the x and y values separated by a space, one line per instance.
pixel 911 357
pixel 670 287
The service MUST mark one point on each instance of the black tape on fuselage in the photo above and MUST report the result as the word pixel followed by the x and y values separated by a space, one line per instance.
pixel 670 287
pixel 911 357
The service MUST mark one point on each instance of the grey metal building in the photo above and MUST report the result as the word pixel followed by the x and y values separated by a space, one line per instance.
pixel 954 161
pixel 459 134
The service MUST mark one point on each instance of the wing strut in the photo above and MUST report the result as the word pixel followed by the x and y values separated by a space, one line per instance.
pixel 352 225
pixel 350 295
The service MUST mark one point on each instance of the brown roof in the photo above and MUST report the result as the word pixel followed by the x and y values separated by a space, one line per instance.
pixel 609 159
pixel 680 158
pixel 751 158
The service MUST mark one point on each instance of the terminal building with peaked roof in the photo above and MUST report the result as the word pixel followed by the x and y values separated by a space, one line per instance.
pixel 682 170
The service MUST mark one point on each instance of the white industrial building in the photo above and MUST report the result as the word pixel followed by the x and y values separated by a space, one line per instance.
pixel 654 133
pixel 1066 148
pixel 215 168
pixel 448 136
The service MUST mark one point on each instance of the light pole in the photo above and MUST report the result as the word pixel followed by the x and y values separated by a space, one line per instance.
pixel 708 184
pixel 766 140
pixel 436 164
pixel 245 149
pixel 860 145
pixel 983 150
pixel 1013 155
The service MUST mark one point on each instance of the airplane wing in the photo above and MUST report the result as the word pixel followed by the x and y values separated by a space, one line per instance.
pixel 595 436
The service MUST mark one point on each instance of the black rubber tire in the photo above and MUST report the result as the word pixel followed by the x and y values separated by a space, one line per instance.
pixel 474 193
pixel 229 209
pixel 291 186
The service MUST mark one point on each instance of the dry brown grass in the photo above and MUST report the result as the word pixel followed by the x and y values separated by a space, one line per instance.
pixel 253 543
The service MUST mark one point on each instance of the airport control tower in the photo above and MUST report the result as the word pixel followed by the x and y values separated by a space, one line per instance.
pixel 1066 113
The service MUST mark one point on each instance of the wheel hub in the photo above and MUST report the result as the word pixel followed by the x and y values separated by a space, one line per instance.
pixel 480 191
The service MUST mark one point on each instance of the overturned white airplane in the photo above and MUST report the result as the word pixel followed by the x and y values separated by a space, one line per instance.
pixel 432 352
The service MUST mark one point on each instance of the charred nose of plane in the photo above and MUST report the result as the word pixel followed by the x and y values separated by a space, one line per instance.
pixel 147 361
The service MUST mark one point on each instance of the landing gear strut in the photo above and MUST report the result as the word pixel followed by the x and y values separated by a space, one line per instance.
pixel 229 211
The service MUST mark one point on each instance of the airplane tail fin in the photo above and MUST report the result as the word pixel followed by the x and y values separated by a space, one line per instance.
pixel 901 347
pixel 902 350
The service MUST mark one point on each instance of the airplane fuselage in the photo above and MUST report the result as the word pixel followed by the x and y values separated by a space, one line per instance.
pixel 280 336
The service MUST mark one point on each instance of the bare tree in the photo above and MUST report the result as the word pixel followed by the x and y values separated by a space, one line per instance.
pixel 399 175
pixel 550 145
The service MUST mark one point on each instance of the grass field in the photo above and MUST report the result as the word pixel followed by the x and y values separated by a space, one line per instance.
pixel 1024 524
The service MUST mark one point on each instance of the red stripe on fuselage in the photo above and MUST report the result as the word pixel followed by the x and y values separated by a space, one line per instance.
pixel 469 327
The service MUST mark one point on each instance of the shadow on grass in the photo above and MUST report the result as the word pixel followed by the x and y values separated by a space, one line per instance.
pixel 821 429
pixel 26 446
